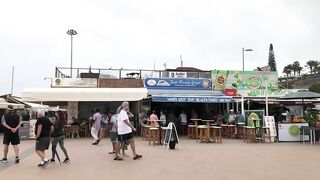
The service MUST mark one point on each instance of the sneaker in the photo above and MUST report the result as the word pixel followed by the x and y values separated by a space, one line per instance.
pixel 98 141
pixel 95 143
pixel 4 160
pixel 45 163
pixel 52 160
pixel 17 160
pixel 66 160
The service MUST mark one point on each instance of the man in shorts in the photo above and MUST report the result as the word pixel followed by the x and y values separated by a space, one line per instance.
pixel 11 123
pixel 43 132
pixel 125 131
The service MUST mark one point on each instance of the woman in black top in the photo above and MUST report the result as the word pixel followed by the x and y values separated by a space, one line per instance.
pixel 58 136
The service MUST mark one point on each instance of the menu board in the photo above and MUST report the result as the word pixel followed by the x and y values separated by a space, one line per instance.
pixel 270 123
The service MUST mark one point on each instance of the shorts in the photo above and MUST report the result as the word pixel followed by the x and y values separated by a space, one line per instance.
pixel 125 137
pixel 14 139
pixel 42 144
pixel 103 125
pixel 113 136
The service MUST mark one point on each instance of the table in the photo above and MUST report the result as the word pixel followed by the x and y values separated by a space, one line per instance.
pixel 159 129
pixel 196 124
pixel 208 127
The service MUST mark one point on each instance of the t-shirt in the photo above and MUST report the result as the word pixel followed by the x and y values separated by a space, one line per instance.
pixel 97 120
pixel 46 126
pixel 183 118
pixel 123 128
pixel 113 123
pixel 12 120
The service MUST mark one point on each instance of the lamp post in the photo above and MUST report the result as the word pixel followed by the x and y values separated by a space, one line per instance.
pixel 243 50
pixel 71 32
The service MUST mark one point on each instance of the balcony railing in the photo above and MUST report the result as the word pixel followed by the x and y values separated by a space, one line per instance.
pixel 63 72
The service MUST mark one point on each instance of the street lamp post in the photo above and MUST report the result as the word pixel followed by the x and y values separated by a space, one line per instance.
pixel 71 32
pixel 243 50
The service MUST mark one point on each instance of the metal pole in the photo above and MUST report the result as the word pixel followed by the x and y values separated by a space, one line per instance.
pixel 12 77
pixel 71 55
pixel 242 59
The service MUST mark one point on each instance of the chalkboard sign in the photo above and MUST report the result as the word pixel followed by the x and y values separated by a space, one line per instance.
pixel 171 133
pixel 167 136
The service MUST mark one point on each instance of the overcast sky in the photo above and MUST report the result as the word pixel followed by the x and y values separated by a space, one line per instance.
pixel 135 34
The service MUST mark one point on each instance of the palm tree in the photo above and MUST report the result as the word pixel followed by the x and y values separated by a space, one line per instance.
pixel 296 68
pixel 288 70
pixel 312 64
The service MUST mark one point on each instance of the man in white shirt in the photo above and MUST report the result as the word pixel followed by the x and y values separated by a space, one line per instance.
pixel 125 131
pixel 96 126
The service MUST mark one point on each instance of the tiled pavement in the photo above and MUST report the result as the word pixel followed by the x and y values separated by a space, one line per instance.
pixel 232 159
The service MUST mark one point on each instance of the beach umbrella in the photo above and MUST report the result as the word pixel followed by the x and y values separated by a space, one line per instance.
pixel 54 148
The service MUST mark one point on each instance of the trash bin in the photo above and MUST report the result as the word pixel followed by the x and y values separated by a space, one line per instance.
pixel 24 130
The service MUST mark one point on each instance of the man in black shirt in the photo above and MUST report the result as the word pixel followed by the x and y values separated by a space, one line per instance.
pixel 11 123
pixel 43 132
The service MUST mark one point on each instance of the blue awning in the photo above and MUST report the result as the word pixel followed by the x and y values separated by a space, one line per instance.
pixel 190 96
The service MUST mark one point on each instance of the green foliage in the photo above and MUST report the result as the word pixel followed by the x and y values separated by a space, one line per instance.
pixel 311 116
pixel 315 88
pixel 271 59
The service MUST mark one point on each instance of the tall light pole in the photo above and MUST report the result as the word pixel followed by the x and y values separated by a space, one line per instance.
pixel 71 32
pixel 243 50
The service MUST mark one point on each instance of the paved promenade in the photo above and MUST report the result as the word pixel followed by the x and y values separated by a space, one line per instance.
pixel 232 159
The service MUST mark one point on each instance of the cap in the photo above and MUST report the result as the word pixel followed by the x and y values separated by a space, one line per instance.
pixel 10 108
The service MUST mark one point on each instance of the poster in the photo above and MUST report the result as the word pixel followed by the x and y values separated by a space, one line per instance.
pixel 270 123
pixel 254 117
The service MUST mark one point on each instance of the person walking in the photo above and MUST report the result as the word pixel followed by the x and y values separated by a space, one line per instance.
pixel 11 123
pixel 125 131
pixel 96 126
pixel 114 136
pixel 58 136
pixel 43 132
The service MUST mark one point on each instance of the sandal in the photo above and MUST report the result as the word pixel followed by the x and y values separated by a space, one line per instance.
pixel 138 156
pixel 118 158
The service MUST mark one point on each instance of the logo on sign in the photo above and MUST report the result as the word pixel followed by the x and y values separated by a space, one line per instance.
pixel 205 84
pixel 151 82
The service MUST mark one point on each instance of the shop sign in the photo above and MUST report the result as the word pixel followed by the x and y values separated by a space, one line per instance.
pixel 75 82
pixel 191 99
pixel 178 74
pixel 244 80
pixel 262 92
pixel 177 83
pixel 230 92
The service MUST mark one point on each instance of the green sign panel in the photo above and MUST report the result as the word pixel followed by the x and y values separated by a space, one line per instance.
pixel 243 80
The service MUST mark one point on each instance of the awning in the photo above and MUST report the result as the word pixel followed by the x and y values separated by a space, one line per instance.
pixel 4 104
pixel 190 96
pixel 83 94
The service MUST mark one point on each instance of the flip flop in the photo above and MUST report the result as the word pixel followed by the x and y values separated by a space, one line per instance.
pixel 138 156
pixel 118 158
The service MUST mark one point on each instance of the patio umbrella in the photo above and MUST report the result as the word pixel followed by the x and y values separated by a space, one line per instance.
pixel 54 148
pixel 302 94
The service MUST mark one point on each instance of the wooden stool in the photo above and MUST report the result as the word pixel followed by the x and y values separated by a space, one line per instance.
pixel 153 135
pixel 265 133
pixel 249 134
pixel 231 130
pixel 146 132
pixel 240 131
pixel 202 133
pixel 191 131
pixel 163 132
pixel 224 129
pixel 216 132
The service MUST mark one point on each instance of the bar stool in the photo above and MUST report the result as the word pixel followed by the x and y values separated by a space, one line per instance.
pixel 202 133
pixel 240 131
pixel 216 133
pixel 163 132
pixel 224 129
pixel 146 132
pixel 265 133
pixel 250 134
pixel 191 131
pixel 231 130
pixel 153 135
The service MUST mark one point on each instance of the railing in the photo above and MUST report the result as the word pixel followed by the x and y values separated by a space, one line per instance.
pixel 63 72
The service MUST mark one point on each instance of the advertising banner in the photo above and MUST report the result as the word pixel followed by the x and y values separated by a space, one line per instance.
pixel 263 92
pixel 178 83
pixel 244 80
pixel 75 82
pixel 191 99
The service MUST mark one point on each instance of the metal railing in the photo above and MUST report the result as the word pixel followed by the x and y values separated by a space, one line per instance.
pixel 63 72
